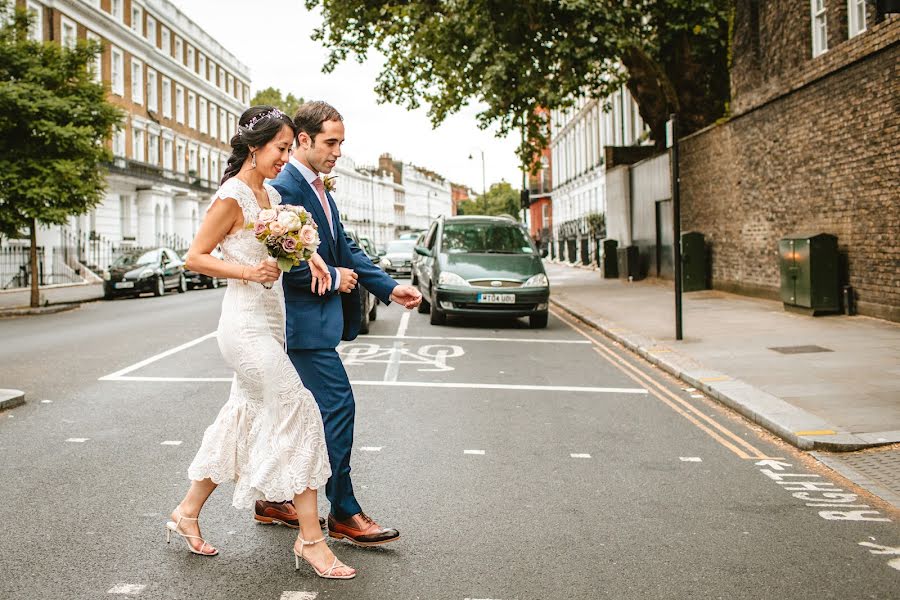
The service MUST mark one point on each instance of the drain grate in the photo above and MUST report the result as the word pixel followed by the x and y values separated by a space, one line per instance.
pixel 800 349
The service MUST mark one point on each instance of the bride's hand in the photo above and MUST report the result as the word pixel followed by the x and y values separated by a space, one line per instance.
pixel 266 271
pixel 321 277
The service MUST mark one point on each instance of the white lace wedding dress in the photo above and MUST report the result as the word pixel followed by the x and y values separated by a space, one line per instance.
pixel 269 436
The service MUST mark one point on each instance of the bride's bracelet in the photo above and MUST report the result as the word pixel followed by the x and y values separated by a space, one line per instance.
pixel 243 279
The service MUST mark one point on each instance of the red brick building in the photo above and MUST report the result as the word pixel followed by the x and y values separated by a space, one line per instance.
pixel 459 193
pixel 540 216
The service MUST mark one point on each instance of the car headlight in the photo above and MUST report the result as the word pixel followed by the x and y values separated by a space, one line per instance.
pixel 539 280
pixel 386 262
pixel 448 278
pixel 145 273
pixel 107 275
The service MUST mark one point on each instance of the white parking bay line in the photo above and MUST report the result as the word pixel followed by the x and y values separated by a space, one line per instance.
pixel 78 440
pixel 478 452
pixel 477 339
pixel 118 374
pixel 171 443
pixel 127 588
pixel 371 448
pixel 393 367
pixel 498 386
pixel 580 455
pixel 690 459
pixel 298 595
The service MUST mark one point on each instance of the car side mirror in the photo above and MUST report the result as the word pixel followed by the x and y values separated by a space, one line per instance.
pixel 422 250
pixel 375 259
pixel 381 253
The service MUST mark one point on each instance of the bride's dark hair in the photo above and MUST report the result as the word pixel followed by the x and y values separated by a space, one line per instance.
pixel 256 127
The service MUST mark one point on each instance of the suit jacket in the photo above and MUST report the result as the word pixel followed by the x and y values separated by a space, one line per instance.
pixel 313 321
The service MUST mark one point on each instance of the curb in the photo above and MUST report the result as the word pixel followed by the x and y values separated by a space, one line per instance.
pixel 792 424
pixel 11 398
pixel 40 310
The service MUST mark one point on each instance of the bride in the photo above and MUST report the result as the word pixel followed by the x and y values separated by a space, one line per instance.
pixel 268 437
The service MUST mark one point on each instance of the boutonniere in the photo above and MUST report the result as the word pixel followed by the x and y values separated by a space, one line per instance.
pixel 330 185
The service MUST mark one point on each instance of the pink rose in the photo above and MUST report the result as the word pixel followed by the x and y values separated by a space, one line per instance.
pixel 267 215
pixel 309 237
pixel 259 228
pixel 289 244
pixel 277 228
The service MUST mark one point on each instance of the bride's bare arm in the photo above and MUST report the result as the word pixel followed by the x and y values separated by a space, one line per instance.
pixel 224 217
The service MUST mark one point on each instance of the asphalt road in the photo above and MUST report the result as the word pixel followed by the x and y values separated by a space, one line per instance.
pixel 517 464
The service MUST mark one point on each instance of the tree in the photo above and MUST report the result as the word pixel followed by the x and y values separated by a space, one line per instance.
pixel 518 56
pixel 54 121
pixel 273 97
pixel 500 199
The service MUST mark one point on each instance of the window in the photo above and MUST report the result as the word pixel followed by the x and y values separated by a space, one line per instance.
pixel 246 94
pixel 137 19
pixel 115 9
pixel 211 72
pixel 545 214
pixel 191 62
pixel 192 110
pixel 204 166
pixel 223 125
pixel 151 29
pixel 201 65
pixel 213 166
pixel 97 66
pixel 152 92
pixel 229 85
pixel 192 159
pixel 213 121
pixel 117 71
pixel 36 31
pixel 819 28
pixel 179 50
pixel 167 154
pixel 232 125
pixel 118 142
pixel 220 77
pixel 137 81
pixel 69 33
pixel 237 89
pixel 165 41
pixel 179 156
pixel 179 104
pixel 153 149
pixel 166 98
pixel 856 17
pixel 203 116
pixel 137 144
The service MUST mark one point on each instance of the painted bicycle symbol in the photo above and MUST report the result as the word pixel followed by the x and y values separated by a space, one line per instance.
pixel 430 358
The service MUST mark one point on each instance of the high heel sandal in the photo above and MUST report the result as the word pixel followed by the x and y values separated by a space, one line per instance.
pixel 172 527
pixel 326 574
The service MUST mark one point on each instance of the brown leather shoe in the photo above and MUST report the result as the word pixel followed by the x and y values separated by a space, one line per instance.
pixel 361 530
pixel 281 513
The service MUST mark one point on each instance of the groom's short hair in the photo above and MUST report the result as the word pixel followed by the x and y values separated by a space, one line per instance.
pixel 311 115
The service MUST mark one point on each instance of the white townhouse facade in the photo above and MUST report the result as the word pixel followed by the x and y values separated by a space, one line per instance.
pixel 580 134
pixel 428 196
pixel 365 196
pixel 182 93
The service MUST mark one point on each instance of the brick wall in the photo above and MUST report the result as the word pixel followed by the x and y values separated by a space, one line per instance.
pixel 812 147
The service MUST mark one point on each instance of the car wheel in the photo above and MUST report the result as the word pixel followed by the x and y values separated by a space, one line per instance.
pixel 364 319
pixel 214 282
pixel 160 288
pixel 438 317
pixel 182 285
pixel 373 314
pixel 538 321
pixel 424 305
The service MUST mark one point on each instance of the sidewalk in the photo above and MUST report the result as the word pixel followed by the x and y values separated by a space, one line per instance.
pixel 72 293
pixel 841 399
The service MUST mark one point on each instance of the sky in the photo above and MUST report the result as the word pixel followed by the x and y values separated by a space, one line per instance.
pixel 272 38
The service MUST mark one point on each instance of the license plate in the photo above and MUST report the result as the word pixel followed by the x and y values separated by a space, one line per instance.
pixel 497 298
pixel 124 284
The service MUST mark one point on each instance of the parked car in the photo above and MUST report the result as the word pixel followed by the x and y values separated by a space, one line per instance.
pixel 144 271
pixel 398 256
pixel 410 235
pixel 199 280
pixel 368 303
pixel 483 267
pixel 368 245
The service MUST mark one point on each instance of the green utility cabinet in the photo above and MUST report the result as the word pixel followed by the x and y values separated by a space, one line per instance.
pixel 809 273
pixel 694 272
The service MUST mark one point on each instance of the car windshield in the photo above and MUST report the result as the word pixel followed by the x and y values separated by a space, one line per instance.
pixel 136 260
pixel 401 246
pixel 485 238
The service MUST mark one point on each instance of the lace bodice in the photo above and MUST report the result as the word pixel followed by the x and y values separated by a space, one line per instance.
pixel 242 247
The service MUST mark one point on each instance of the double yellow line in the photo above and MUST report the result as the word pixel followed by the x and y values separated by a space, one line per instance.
pixel 711 427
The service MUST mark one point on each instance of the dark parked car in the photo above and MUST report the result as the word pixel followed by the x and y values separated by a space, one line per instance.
pixel 398 256
pixel 368 304
pixel 199 280
pixel 144 271
pixel 481 266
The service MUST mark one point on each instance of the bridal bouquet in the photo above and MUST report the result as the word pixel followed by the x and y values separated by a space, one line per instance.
pixel 289 234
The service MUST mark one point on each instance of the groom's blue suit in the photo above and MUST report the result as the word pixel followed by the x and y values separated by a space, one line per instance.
pixel 316 325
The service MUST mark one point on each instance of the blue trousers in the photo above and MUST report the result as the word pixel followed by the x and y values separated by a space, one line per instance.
pixel 324 375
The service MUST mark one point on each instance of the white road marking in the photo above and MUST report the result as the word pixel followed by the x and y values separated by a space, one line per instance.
pixel 171 443
pixel 690 459
pixel 126 588
pixel 696 395
pixel 894 563
pixel 580 455
pixel 371 448
pixel 498 386
pixel 115 376
pixel 78 440
pixel 689 389
pixel 428 358
pixel 478 452
pixel 46 401
pixel 298 595
pixel 390 372
pixel 480 339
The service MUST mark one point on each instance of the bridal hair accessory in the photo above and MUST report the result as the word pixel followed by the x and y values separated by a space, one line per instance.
pixel 266 115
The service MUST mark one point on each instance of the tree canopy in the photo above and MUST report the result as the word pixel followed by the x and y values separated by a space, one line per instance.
pixel 518 56
pixel 273 97
pixel 500 199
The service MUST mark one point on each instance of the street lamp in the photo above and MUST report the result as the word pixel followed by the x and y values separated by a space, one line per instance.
pixel 483 186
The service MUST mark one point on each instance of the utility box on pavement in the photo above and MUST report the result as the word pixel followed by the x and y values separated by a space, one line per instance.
pixel 610 259
pixel 628 263
pixel 809 273
pixel 694 273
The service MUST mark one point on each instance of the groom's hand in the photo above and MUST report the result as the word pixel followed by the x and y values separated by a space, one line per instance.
pixel 348 279
pixel 406 295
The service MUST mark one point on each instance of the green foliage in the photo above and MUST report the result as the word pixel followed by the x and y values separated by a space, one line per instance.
pixel 500 199
pixel 518 56
pixel 54 120
pixel 273 97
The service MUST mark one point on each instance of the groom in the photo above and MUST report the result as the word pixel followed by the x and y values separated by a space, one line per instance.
pixel 316 324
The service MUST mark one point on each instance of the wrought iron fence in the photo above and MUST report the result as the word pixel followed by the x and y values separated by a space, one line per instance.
pixel 54 266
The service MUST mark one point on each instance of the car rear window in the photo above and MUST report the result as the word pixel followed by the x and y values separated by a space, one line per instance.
pixel 398 246
pixel 485 238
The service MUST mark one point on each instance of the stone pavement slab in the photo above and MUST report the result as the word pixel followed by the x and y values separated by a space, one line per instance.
pixel 11 398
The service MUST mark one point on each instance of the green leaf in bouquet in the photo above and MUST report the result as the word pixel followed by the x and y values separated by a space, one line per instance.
pixel 285 263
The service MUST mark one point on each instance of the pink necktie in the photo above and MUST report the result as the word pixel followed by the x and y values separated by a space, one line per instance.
pixel 320 188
